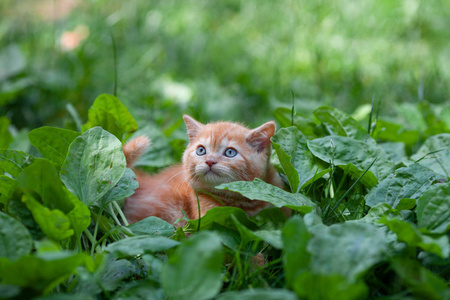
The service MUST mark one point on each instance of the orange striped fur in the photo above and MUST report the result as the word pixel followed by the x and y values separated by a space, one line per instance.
pixel 164 195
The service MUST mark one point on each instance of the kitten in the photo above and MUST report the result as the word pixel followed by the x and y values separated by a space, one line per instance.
pixel 217 153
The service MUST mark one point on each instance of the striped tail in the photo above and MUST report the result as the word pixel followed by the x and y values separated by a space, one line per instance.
pixel 135 148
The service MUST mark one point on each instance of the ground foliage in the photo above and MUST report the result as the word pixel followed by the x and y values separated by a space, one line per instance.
pixel 370 216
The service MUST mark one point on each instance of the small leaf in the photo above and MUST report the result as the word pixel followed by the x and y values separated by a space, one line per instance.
pixel 139 245
pixel 194 271
pixel 260 190
pixel 15 240
pixel 54 223
pixel 13 162
pixel 433 209
pixel 52 142
pixel 93 166
pixel 410 182
pixel 109 113
pixel 435 154
pixel 223 217
pixel 124 188
pixel 299 164
pixel 152 226
pixel 273 237
pixel 296 258
pixel 354 156
pixel 388 131
pixel 406 232
pixel 339 123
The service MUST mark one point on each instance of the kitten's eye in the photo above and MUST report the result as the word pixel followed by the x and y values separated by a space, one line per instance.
pixel 230 152
pixel 200 151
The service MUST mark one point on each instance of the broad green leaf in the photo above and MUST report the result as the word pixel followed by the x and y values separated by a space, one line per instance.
pixel 124 188
pixel 93 166
pixel 354 157
pixel 388 131
pixel 302 121
pixel 312 286
pixel 270 218
pixel 6 185
pixel 40 273
pixel 139 245
pixel 52 142
pixel 296 258
pixel 298 163
pixel 422 282
pixel 433 209
pixel 194 271
pixel 395 150
pixel 409 182
pixel 435 154
pixel 13 162
pixel 339 123
pixel 348 249
pixel 41 177
pixel 6 137
pixel 257 294
pixel 109 113
pixel 15 240
pixel 273 237
pixel 260 190
pixel 152 226
pixel 406 232
pixel 54 223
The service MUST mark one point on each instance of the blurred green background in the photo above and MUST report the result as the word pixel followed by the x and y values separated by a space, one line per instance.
pixel 233 60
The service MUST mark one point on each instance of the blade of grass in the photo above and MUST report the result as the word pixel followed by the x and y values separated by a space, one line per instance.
pixel 348 191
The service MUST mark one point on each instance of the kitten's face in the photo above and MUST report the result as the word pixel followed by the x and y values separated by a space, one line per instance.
pixel 224 152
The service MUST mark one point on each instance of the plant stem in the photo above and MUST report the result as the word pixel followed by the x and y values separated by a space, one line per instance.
pixel 122 216
pixel 96 230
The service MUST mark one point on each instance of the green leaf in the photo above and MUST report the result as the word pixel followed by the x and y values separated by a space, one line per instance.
pixel 312 286
pixel 6 185
pixel 124 188
pixel 409 182
pixel 152 226
pixel 13 162
pixel 15 240
pixel 52 142
pixel 109 113
pixel 4 133
pixel 257 294
pixel 422 283
pixel 221 216
pixel 433 209
pixel 296 258
pixel 41 273
pixel 260 190
pixel 354 157
pixel 302 121
pixel 273 237
pixel 377 212
pixel 409 234
pixel 388 131
pixel 79 216
pixel 12 61
pixel 41 177
pixel 139 245
pixel 94 164
pixel 139 290
pixel 298 163
pixel 54 223
pixel 339 123
pixel 348 249
pixel 194 271
pixel 435 154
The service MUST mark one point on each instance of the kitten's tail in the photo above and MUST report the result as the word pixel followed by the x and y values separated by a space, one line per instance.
pixel 135 148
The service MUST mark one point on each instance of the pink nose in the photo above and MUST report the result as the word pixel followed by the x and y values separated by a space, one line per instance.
pixel 210 163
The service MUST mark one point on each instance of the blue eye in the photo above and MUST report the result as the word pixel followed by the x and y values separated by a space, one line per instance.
pixel 230 152
pixel 200 151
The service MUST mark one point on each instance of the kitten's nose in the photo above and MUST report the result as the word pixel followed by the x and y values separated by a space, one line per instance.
pixel 210 163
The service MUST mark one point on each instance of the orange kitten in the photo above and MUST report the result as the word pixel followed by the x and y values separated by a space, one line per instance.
pixel 217 153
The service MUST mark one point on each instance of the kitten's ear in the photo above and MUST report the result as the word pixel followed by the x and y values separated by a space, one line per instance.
pixel 193 127
pixel 259 138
